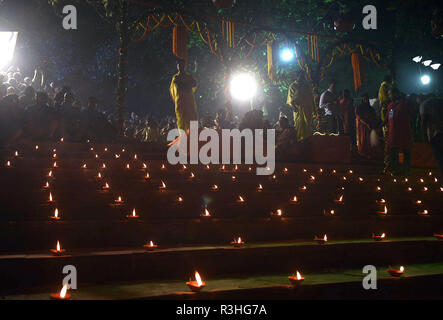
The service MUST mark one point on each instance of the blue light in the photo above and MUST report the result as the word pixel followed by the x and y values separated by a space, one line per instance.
pixel 425 79
pixel 287 54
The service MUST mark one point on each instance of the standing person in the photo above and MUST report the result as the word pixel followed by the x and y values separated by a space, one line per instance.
pixel 328 106
pixel 375 104
pixel 384 100
pixel 182 89
pixel 348 112
pixel 431 112
pixel 399 136
pixel 301 100
pixel 366 122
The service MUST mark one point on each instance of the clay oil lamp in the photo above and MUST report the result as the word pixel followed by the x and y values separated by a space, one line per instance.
pixel 395 180
pixel 339 200
pixel 304 170
pixel 150 246
pixel 240 200
pixel 147 176
pixel 58 251
pixel 260 188
pixel 55 164
pixel 62 295
pixel 118 201
pixel 191 176
pixel 144 166
pixel 396 272
pixel 54 156
pixel 179 199
pixel 238 242
pixel 128 167
pixel 46 186
pixel 233 178
pixel 296 279
pixel 207 167
pixel 56 216
pixel 8 164
pixel 214 187
pixel 379 237
pixel 84 166
pixel 106 149
pixel 133 215
pixel 421 181
pixel 423 213
pixel 99 175
pixel 123 150
pixel 250 169
pixel 435 180
pixel 36 147
pixel 222 168
pixel 312 179
pixel 360 179
pixel 277 214
pixel 106 186
pixel 425 189
pixel 441 189
pixel 135 156
pixel 62 139
pixel 409 189
pixel 405 180
pixel 54 150
pixel 381 201
pixel 92 149
pixel 430 173
pixel 235 168
pixel 321 240
pixel 418 202
pixel 196 285
pixel 294 200
pixel 438 236
pixel 206 214
pixel 329 213
pixel 104 166
pixel 344 178
pixel 51 198
pixel 320 170
pixel 117 156
pixel 285 171
pixel 163 167
pixel 334 171
pixel 162 186
pixel 384 212
pixel 96 156
pixel 16 153
pixel 303 188
pixel 50 174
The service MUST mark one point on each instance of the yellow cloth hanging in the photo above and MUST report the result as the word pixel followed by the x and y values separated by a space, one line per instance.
pixel 271 66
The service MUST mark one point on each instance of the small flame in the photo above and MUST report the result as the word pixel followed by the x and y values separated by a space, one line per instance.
pixel 320 170
pixel 207 167
pixel 418 202
pixel 332 212
pixel 63 291
pixel 62 139
pixel 351 172
pixel 104 166
pixel 56 213
pixel 304 170
pixel 312 178
pixel 285 170
pixel 50 197
pixel 134 214
pixel 425 212
pixel 360 179
pixel 47 184
pixel 402 269
pixel 303 188
pixel 54 155
pixel 279 212
pixel 163 185
pixel 36 147
pixel 58 246
pixel 430 173
pixel 192 175
pixel 55 164
pixel 385 210
pixel 378 188
pixel 409 189
pixel 84 166
pixel 99 175
pixel 294 199
pixel 151 244
pixel 106 149
pixel 163 167
pixel 207 214
pixel 435 180
pixel 50 173
pixel 325 238
pixel 334 171
pixel 239 240
pixel 223 167
pixel 240 198
pixel 135 156
pixel 106 185
pixel 260 187
pixel 123 150
pixel 421 180
pixel 147 175
pixel 180 199
pixel 233 178
pixel 344 178
pixel 299 277
pixel 8 163
pixel 383 235
pixel 425 189
pixel 215 187
pixel 341 198
pixel 198 279
pixel 119 199
pixel 16 153
pixel 144 166
pixel 117 156
pixel 127 166
pixel 235 168
pixel 96 156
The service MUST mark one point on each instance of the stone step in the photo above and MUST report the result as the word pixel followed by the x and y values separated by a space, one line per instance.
pixel 19 272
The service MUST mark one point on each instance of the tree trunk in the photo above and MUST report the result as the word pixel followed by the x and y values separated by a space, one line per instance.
pixel 122 84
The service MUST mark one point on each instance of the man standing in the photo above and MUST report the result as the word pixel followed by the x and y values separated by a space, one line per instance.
pixel 399 132
pixel 431 112
pixel 301 100
pixel 329 108
pixel 384 100
pixel 182 89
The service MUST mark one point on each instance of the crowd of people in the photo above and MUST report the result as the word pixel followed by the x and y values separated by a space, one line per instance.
pixel 382 126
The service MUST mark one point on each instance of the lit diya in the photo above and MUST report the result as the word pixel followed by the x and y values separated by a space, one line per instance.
pixel 296 279
pixel 260 188
pixel 235 168
pixel 207 167
pixel 320 170
pixel 117 156
pixel 360 179
pixel 62 295
pixel 51 199
pixel 56 216
pixel 162 186
pixel 233 178
pixel 135 157
pixel 50 174
pixel 222 168
pixel 240 199
pixel 84 166
pixel 381 201
pixel 36 147
pixel 46 186
pixel 206 214
pixel 192 176
pixel 423 212
pixel 409 189
pixel 128 166
pixel 344 178
pixel 303 188
pixel 396 272
pixel 197 285
pixel 150 246
pixel 277 214
pixel 384 212
pixel 119 200
pixel 312 179
pixel 425 189
pixel 351 172
pixel 96 156
pixel 16 153
pixel 8 164
pixel 133 215
pixel 103 166
pixel 329 213
pixel 285 170
pixel 99 175
pixel 293 200
pixel 334 171
pixel 439 236
pixel 418 202
pixel 144 166
pixel 339 200
pixel 106 186
pixel 379 237
pixel 58 251
pixel 179 199
pixel 321 240
pixel 147 176
pixel 237 242
pixel 62 139
pixel 163 167
pixel 55 164
pixel 54 155
pixel 214 187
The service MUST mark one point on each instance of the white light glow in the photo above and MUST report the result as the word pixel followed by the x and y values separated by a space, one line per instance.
pixel 287 54
pixel 417 59
pixel 243 87
pixel 425 79
pixel 7 47
pixel 427 62
pixel 435 66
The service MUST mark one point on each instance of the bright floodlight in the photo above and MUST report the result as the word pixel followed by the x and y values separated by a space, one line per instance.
pixel 243 87
pixel 435 66
pixel 425 79
pixel 417 59
pixel 7 47
pixel 287 54
pixel 427 62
